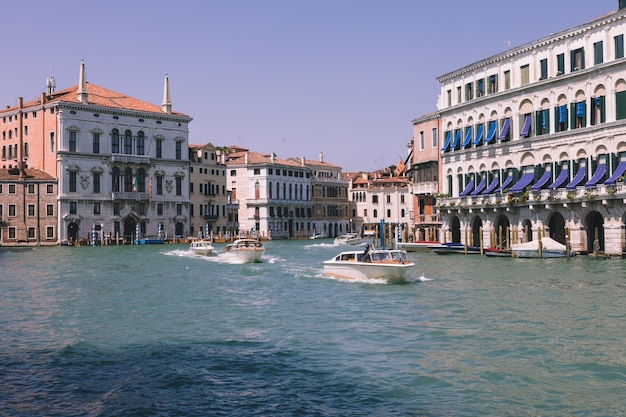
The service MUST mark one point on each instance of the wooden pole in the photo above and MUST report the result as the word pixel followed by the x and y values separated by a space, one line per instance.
pixel 480 239
pixel 567 243
pixel 465 246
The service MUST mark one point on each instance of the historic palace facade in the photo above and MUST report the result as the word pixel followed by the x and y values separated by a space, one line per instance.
pixel 534 141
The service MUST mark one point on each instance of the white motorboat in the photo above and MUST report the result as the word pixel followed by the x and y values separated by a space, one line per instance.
pixel 391 265
pixel 550 248
pixel 347 239
pixel 201 247
pixel 317 236
pixel 246 250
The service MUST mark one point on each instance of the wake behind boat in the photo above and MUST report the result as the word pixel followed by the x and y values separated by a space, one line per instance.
pixel 391 265
pixel 246 250
pixel 347 239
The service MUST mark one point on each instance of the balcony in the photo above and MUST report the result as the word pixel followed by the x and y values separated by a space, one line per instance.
pixel 428 188
pixel 118 195
pixel 211 217
pixel 130 159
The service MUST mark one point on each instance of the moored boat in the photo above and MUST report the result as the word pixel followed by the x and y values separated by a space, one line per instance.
pixel 246 250
pixel 201 247
pixel 550 248
pixel 496 252
pixel 347 239
pixel 391 265
pixel 452 247
pixel 421 245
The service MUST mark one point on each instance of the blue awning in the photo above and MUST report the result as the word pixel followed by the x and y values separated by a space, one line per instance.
pixel 580 109
pixel 492 186
pixel 522 183
pixel 542 181
pixel 481 186
pixel 479 134
pixel 468 188
pixel 582 171
pixel 526 129
pixel 447 142
pixel 619 171
pixel 505 184
pixel 560 180
pixel 457 138
pixel 597 176
pixel 505 129
pixel 468 137
pixel 492 132
pixel 562 113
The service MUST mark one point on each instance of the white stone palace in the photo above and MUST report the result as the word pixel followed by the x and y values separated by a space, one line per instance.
pixel 534 141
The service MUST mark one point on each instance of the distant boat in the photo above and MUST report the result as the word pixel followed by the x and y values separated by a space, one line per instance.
pixel 149 241
pixel 246 250
pixel 317 236
pixel 550 248
pixel 452 247
pixel 495 252
pixel 391 265
pixel 201 247
pixel 347 239
pixel 421 245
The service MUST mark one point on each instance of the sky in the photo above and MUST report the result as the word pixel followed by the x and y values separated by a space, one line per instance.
pixel 294 77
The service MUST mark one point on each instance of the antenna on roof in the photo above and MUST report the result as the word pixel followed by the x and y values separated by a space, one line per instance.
pixel 51 83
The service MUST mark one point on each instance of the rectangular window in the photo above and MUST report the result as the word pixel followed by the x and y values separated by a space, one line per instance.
pixel 507 80
pixel 72 141
pixel 31 188
pixel 560 118
pixel 422 144
pixel 480 88
pixel 179 209
pixel 257 171
pixel 159 185
pixel 525 74
pixel 620 105
pixel 11 188
pixel 159 148
pixel 96 207
pixel 12 232
pixel 469 91
pixel 160 209
pixel 544 68
pixel 96 182
pixel 96 142
pixel 179 185
pixel 51 142
pixel 435 138
pixel 577 59
pixel 374 199
pixel 49 209
pixel 598 110
pixel 31 233
pixel 493 84
pixel 449 96
pixel 72 175
pixel 459 98
pixel 619 46
pixel 11 210
pixel 598 53
pixel 116 209
pixel 50 232
pixel 73 207
pixel 31 210
pixel 50 189
pixel 179 147
pixel 542 122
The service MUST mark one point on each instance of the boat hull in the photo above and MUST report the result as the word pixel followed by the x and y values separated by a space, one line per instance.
pixel 245 250
pixel 390 265
pixel 349 239
pixel 416 246
pixel 546 253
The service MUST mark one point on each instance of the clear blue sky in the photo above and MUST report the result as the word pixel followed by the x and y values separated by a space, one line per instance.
pixel 342 77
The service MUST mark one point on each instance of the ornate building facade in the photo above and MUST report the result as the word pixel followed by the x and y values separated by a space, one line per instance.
pixel 121 164
pixel 534 141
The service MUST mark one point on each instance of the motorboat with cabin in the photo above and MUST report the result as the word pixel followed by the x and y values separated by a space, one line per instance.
pixel 544 248
pixel 389 264
pixel 246 250
pixel 201 246
pixel 348 239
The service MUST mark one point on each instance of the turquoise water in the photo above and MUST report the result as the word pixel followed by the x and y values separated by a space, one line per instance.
pixel 157 331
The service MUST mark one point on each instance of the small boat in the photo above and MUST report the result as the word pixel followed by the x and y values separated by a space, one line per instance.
pixel 201 247
pixel 347 239
pixel 550 248
pixel 246 250
pixel 421 245
pixel 451 247
pixel 372 263
pixel 317 236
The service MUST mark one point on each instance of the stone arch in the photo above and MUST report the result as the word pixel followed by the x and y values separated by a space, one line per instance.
pixel 620 85
pixel 594 227
pixel 493 115
pixel 545 104
pixel 599 90
pixel 580 95
pixel 562 100
pixel 527 159
pixel 547 158
pixel 481 118
pixel 476 224
pixel 526 106
pixel 455 229
pixel 621 147
pixel 527 231
pixel 501 227
pixel 556 227
pixel 508 112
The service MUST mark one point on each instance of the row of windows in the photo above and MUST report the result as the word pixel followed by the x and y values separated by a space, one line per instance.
pixel 124 181
pixel 375 198
pixel 375 213
pixel 31 233
pixel 10 118
pixel 12 151
pixel 141 208
pixel 211 211
pixel 277 172
pixel 205 171
pixel 489 85
pixel 286 212
pixel 207 188
pixel 434 139
pixel 291 192
pixel 30 210
pixel 564 117
pixel 30 189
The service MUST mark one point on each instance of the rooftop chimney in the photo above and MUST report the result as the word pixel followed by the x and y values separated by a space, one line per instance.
pixel 321 157
pixel 82 84
pixel 166 105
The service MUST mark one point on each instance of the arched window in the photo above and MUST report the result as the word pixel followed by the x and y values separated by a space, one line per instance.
pixel 128 143
pixel 128 180
pixel 257 190
pixel 140 143
pixel 115 141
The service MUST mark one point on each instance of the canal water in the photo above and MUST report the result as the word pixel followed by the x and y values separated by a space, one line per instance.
pixel 156 331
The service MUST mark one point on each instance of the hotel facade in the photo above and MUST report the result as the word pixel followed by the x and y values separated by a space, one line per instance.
pixel 534 142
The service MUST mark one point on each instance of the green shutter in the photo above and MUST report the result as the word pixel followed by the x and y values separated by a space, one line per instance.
pixel 538 172
pixel 620 105
pixel 602 109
